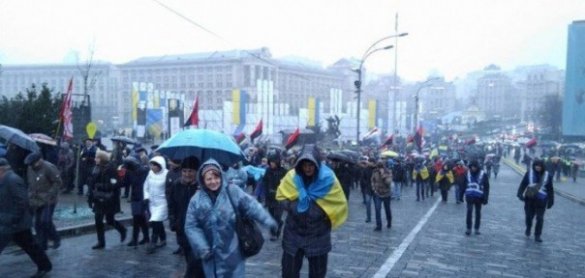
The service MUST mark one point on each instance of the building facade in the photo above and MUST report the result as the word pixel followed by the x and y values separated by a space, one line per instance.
pixel 496 95
pixel 574 97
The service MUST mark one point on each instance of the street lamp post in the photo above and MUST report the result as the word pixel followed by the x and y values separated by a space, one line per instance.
pixel 358 83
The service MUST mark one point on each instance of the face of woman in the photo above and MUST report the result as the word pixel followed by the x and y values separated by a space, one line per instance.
pixel 212 180
pixel 154 167
pixel 308 168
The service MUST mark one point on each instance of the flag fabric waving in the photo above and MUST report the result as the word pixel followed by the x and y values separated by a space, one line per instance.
pixel 292 139
pixel 257 131
pixel 419 139
pixel 65 114
pixel 194 117
pixel 531 143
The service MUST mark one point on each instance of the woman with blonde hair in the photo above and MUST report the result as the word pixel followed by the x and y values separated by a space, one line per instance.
pixel 104 197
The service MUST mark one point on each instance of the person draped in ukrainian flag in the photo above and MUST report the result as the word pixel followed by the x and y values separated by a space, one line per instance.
pixel 445 179
pixel 316 204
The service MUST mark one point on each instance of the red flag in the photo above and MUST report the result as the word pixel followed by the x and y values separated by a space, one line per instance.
pixel 194 117
pixel 240 137
pixel 389 140
pixel 65 115
pixel 531 143
pixel 257 131
pixel 419 138
pixel 292 139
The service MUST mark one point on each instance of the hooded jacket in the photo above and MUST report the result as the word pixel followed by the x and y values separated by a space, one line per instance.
pixel 315 205
pixel 542 182
pixel 154 191
pixel 210 226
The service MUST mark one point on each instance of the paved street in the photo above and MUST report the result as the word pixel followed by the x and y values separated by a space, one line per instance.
pixel 440 249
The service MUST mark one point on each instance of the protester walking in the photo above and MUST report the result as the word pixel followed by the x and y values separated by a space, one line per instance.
pixel 315 204
pixel 382 189
pixel 135 176
pixel 179 196
pixel 420 176
pixel 16 221
pixel 366 171
pixel 271 180
pixel 210 223
pixel 444 180
pixel 104 197
pixel 156 202
pixel 66 165
pixel 476 190
pixel 537 192
pixel 44 183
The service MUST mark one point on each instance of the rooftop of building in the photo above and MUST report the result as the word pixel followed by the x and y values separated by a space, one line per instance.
pixel 214 56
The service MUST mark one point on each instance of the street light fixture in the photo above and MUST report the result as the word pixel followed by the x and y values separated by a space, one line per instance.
pixel 358 83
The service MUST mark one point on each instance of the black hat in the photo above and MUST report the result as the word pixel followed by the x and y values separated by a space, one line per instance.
pixel 3 162
pixel 190 162
pixel 32 158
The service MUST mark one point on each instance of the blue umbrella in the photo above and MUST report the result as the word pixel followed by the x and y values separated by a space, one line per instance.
pixel 203 144
pixel 19 138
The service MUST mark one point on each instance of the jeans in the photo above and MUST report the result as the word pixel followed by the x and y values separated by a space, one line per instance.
pixel 420 190
pixel 368 203
pixel 397 190
pixel 534 208
pixel 44 226
pixel 139 223
pixel 25 240
pixel 471 204
pixel 291 265
pixel 378 202
pixel 458 193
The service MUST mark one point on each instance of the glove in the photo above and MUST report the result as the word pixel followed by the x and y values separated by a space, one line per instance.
pixel 521 198
pixel 549 205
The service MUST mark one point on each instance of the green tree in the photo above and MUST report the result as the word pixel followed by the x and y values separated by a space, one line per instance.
pixel 35 111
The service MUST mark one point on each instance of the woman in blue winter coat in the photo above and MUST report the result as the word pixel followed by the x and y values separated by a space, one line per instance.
pixel 210 224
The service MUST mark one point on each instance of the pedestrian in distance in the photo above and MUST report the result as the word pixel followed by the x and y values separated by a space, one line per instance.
pixel 44 183
pixel 460 172
pixel 180 194
pixel 366 171
pixel 156 202
pixel 444 180
pixel 104 197
pixel 537 192
pixel 66 163
pixel 476 189
pixel 382 192
pixel 15 219
pixel 420 176
pixel 210 223
pixel 86 164
pixel 315 204
pixel 135 176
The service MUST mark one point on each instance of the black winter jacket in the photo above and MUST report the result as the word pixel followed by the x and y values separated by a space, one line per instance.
pixel 14 209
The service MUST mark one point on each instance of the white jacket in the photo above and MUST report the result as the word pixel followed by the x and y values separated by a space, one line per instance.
pixel 154 191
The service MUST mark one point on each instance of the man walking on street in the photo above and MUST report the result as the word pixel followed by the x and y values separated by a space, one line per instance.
pixel 476 190
pixel 537 192
pixel 44 182
pixel 15 219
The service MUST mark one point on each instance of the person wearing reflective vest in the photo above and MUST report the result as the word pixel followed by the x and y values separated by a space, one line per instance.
pixel 476 189
pixel 537 192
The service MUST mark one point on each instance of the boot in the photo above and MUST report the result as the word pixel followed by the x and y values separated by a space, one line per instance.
pixel 132 243
pixel 98 246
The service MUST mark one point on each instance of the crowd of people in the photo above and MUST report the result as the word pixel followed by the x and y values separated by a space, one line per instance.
pixel 201 200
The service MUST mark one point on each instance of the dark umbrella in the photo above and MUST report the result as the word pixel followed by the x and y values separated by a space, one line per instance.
pixel 203 144
pixel 352 154
pixel 341 157
pixel 124 139
pixel 19 138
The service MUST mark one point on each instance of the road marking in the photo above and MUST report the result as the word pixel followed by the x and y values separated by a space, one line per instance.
pixel 397 254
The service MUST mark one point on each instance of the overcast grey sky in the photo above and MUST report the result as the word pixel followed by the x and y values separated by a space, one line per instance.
pixel 451 37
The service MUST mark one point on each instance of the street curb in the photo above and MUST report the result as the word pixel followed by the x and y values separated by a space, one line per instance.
pixel 521 172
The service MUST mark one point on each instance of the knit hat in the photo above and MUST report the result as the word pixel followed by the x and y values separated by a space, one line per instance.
pixel 190 162
pixel 210 167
